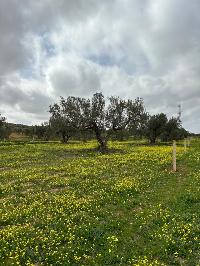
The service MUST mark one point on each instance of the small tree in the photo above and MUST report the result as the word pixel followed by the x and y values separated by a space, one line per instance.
pixel 155 127
pixel 42 131
pixel 66 117
pixel 173 130
pixel 59 123
pixel 4 128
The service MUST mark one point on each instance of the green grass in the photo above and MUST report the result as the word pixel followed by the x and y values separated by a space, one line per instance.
pixel 70 205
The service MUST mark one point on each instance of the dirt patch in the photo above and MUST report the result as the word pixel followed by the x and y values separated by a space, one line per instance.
pixel 5 168
pixel 55 190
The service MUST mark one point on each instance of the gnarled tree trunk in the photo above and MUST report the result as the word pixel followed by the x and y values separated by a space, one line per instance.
pixel 65 137
pixel 152 139
pixel 102 142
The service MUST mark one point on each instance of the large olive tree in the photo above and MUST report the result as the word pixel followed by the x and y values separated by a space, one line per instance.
pixel 75 113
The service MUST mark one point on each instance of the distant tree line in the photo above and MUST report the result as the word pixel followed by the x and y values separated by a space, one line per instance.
pixel 96 117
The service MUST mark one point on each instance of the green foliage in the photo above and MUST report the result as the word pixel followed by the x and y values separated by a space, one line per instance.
pixel 4 128
pixel 158 126
pixel 75 114
pixel 2 120
pixel 42 131
pixel 59 122
pixel 125 117
pixel 173 130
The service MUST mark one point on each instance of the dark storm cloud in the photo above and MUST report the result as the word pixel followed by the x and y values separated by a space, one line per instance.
pixel 129 48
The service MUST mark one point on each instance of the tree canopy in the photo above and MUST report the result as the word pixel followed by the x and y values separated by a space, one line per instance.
pixel 102 117
pixel 158 126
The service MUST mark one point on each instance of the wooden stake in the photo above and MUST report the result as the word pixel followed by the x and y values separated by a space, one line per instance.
pixel 188 142
pixel 185 145
pixel 174 156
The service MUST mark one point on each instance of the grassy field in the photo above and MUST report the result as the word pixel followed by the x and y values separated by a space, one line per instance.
pixel 70 205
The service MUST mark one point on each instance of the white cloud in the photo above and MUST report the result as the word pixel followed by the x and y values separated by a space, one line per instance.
pixel 129 48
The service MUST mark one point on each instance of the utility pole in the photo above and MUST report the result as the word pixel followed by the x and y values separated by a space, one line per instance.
pixel 179 112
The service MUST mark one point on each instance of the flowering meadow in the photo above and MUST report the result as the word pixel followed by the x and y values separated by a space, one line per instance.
pixel 71 205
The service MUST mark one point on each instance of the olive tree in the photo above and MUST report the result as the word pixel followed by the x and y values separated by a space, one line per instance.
pixel 116 115
pixel 75 114
pixel 4 128
pixel 94 118
pixel 155 126
pixel 65 117
pixel 125 115
pixel 2 120
pixel 173 130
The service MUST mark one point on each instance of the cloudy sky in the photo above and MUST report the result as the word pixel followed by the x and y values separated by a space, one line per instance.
pixel 130 48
